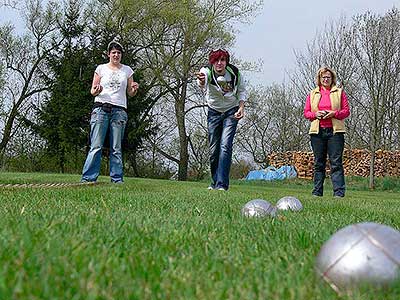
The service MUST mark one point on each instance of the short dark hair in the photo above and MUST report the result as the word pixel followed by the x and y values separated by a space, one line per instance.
pixel 115 45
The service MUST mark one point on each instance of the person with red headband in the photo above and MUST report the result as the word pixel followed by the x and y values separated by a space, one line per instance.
pixel 225 93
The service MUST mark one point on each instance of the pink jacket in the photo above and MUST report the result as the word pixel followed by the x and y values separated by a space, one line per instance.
pixel 325 104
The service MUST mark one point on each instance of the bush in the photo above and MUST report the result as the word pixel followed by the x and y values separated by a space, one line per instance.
pixel 240 169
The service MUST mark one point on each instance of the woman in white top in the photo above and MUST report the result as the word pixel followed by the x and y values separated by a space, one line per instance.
pixel 110 84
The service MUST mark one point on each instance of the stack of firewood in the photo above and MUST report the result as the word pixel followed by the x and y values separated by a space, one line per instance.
pixel 355 161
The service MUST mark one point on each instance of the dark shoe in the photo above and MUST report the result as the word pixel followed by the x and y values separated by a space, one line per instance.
pixel 117 182
pixel 86 181
pixel 221 188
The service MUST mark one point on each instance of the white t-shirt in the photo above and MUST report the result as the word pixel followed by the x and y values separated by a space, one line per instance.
pixel 114 83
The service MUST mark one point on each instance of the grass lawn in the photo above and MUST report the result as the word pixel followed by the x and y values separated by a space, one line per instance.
pixel 160 239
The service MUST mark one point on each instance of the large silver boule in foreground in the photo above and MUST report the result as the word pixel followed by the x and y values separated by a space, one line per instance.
pixel 258 208
pixel 289 203
pixel 363 254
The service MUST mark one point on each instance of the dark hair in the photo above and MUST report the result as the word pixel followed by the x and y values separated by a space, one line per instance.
pixel 215 55
pixel 114 45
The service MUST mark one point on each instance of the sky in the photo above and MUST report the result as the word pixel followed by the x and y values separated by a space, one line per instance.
pixel 287 25
pixel 282 27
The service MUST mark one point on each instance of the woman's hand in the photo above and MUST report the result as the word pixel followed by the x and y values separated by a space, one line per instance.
pixel 201 77
pixel 329 114
pixel 96 89
pixel 132 87
pixel 320 114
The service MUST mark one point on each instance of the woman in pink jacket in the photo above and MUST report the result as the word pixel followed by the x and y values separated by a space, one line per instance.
pixel 327 107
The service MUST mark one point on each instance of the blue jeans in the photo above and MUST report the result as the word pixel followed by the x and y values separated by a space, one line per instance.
pixel 221 131
pixel 102 122
pixel 326 143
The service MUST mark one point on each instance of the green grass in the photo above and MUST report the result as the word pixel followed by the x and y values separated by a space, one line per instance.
pixel 159 239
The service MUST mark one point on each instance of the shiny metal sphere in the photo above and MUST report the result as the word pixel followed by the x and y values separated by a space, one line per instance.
pixel 221 79
pixel 289 203
pixel 258 208
pixel 360 254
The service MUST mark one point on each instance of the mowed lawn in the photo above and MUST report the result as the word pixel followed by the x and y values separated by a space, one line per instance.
pixel 161 239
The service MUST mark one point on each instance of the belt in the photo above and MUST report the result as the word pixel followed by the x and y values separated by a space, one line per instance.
pixel 107 107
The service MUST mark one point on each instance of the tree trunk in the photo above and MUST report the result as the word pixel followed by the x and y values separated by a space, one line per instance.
pixel 61 161
pixel 135 165
pixel 183 139
pixel 8 127
pixel 371 184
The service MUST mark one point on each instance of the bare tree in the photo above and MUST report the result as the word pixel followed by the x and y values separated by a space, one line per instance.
pixel 376 48
pixel 9 3
pixel 332 47
pixel 255 131
pixel 273 123
pixel 23 58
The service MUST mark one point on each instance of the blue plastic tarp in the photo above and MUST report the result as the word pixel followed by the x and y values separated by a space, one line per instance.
pixel 271 173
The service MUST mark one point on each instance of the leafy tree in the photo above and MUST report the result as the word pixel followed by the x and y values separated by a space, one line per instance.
pixel 62 118
pixel 176 37
pixel 140 125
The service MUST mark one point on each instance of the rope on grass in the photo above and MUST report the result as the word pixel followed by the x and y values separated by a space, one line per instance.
pixel 46 185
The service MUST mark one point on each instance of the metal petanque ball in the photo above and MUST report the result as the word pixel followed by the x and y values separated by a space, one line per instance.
pixel 221 79
pixel 258 208
pixel 222 82
pixel 360 255
pixel 289 203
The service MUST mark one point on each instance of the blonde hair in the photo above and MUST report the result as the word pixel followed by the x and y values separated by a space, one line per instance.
pixel 323 70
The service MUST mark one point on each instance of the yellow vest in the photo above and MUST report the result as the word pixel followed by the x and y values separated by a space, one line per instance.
pixel 335 96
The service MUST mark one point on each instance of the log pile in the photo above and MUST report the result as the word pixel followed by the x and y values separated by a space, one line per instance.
pixel 355 162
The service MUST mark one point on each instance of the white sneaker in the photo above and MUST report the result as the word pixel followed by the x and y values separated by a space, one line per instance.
pixel 221 189
pixel 210 188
